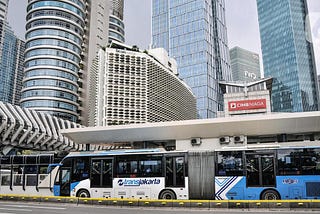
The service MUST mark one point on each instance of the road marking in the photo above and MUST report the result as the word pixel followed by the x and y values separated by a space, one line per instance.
pixel 36 207
pixel 12 209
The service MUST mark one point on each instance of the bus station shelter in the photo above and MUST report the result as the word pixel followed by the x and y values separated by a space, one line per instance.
pixel 209 133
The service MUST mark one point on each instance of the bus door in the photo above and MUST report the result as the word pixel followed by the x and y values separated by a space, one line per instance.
pixel 101 172
pixel 260 169
pixel 65 181
pixel 175 171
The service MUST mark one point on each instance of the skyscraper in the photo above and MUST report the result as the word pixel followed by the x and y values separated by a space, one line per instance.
pixel 96 36
pixel 116 25
pixel 11 60
pixel 319 83
pixel 129 86
pixel 63 38
pixel 194 33
pixel 3 9
pixel 54 36
pixel 287 55
pixel 245 65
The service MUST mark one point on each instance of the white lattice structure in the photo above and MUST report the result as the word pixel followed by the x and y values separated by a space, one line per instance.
pixel 23 128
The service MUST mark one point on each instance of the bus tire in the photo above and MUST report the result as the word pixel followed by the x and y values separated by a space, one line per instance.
pixel 83 193
pixel 270 194
pixel 167 194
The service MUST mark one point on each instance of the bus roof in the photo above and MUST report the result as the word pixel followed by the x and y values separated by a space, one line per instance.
pixel 271 146
pixel 115 152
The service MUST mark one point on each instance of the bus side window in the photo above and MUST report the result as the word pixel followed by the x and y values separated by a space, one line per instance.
pixel 134 167
pixel 229 163
pixel 310 162
pixel 80 169
pixel 5 176
pixel 17 175
pixel 221 170
pixel 123 169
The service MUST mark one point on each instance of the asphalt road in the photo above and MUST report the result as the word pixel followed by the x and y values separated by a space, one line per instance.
pixel 56 208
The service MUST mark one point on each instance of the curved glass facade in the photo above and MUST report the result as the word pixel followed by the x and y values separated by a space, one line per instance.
pixel 54 36
pixel 116 25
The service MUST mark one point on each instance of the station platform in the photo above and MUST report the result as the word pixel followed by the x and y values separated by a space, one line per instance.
pixel 210 204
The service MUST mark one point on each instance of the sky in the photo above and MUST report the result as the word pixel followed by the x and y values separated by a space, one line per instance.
pixel 241 16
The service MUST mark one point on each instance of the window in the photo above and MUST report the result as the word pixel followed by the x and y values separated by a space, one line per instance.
pixel 101 172
pixel 136 166
pixel 80 169
pixel 299 161
pixel 229 163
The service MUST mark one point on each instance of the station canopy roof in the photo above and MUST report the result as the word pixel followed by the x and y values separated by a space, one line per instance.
pixel 254 125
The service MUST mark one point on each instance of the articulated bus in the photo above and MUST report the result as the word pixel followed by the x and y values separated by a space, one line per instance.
pixel 283 173
pixel 230 174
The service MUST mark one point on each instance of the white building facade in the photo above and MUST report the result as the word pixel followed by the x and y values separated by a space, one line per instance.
pixel 137 87
pixel 3 9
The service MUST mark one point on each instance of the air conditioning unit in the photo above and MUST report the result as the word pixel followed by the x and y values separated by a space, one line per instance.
pixel 196 141
pixel 224 140
pixel 238 139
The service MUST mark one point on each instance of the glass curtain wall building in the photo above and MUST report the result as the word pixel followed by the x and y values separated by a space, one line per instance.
pixel 54 36
pixel 62 39
pixel 19 67
pixel 116 25
pixel 287 55
pixel 245 65
pixel 11 60
pixel 194 33
pixel 11 65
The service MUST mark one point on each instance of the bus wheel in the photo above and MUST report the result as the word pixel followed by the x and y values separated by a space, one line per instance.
pixel 83 193
pixel 167 194
pixel 270 195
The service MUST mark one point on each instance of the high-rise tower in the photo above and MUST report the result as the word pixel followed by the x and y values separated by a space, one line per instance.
pixel 194 33
pixel 96 36
pixel 3 9
pixel 245 65
pixel 54 36
pixel 130 86
pixel 288 56
pixel 62 39
pixel 11 59
pixel 116 25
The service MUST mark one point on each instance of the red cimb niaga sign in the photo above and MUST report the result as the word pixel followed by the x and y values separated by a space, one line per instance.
pixel 241 105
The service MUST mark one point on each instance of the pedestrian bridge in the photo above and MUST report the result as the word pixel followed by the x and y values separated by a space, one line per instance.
pixel 22 128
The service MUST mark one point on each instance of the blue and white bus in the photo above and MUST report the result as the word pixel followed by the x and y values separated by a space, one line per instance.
pixel 123 174
pixel 226 174
pixel 268 174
